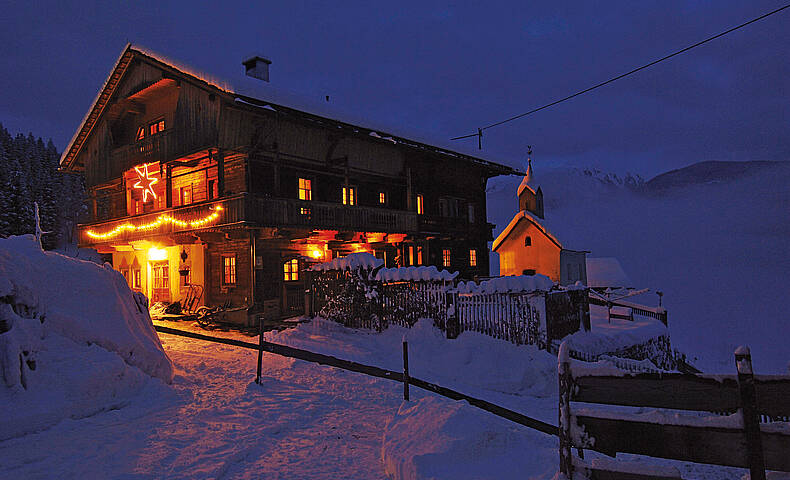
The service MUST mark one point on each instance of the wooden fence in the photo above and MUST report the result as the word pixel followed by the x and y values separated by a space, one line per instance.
pixel 514 317
pixel 714 440
pixel 535 318
pixel 404 377
pixel 658 313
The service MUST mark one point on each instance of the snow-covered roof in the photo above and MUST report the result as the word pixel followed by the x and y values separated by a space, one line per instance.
pixel 523 215
pixel 508 284
pixel 524 184
pixel 254 92
pixel 606 272
pixel 350 262
pixel 423 273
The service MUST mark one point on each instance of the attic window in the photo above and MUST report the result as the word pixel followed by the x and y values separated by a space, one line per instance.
pixel 528 241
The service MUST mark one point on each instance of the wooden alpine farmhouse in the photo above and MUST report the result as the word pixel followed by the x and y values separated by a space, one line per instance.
pixel 196 187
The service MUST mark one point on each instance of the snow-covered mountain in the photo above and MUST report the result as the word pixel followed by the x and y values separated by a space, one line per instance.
pixel 712 236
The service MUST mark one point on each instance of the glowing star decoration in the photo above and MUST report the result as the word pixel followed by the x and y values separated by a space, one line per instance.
pixel 145 182
pixel 163 219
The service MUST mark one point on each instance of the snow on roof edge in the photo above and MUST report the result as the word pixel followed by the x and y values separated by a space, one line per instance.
pixel 516 219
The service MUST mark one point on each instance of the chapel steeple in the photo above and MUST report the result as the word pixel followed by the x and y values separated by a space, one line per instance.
pixel 529 198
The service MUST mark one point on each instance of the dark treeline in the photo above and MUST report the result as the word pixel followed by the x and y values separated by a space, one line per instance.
pixel 29 173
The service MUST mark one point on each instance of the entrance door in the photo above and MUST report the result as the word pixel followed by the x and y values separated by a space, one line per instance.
pixel 160 272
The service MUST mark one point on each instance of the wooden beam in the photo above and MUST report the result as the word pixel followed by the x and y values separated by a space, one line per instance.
pixel 701 444
pixel 676 391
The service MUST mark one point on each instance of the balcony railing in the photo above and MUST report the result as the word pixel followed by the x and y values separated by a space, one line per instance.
pixel 164 222
pixel 254 211
pixel 331 216
pixel 158 147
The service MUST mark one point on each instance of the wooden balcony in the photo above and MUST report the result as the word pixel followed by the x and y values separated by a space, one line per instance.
pixel 164 222
pixel 331 216
pixel 163 146
pixel 252 211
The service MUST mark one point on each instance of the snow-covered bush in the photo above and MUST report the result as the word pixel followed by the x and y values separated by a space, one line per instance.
pixel 74 339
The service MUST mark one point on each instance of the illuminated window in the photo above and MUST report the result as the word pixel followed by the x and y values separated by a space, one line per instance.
pixel 140 133
pixel 446 257
pixel 291 270
pixel 305 211
pixel 382 198
pixel 186 195
pixel 473 258
pixel 125 273
pixel 419 255
pixel 349 195
pixel 137 279
pixel 420 205
pixel 411 254
pixel 527 241
pixel 228 269
pixel 156 127
pixel 305 189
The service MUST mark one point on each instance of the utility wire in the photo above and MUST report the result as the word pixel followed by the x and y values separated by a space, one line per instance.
pixel 479 132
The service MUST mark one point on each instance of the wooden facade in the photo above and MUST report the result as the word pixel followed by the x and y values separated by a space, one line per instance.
pixel 258 191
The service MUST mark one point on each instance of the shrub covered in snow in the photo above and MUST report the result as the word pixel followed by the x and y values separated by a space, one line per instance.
pixel 73 338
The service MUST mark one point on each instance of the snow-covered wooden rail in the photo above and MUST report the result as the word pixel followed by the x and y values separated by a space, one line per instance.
pixel 736 440
pixel 328 360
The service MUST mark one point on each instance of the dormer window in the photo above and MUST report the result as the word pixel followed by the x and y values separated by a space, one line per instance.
pixel 157 127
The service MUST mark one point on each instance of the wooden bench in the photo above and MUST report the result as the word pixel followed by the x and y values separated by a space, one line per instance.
pixel 736 439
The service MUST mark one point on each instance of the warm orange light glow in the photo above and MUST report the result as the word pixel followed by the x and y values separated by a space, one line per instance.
pixel 160 220
pixel 157 253
pixel 145 182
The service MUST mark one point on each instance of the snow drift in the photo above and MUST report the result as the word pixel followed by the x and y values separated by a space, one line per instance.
pixel 74 339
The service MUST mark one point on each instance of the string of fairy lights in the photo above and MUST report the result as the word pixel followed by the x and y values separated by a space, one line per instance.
pixel 163 219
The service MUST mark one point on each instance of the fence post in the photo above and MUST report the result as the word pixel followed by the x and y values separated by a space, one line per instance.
pixel 260 348
pixel 565 381
pixel 308 294
pixel 751 422
pixel 406 370
pixel 452 327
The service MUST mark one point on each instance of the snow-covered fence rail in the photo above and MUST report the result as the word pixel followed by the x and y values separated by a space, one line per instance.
pixel 735 440
pixel 659 313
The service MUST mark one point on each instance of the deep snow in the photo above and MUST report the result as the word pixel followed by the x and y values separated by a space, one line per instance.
pixel 74 340
pixel 309 421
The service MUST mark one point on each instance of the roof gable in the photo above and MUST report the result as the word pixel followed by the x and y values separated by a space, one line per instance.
pixel 523 216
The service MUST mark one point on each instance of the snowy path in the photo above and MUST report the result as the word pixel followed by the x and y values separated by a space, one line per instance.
pixel 304 421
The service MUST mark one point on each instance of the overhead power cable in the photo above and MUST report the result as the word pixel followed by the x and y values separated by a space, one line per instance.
pixel 479 132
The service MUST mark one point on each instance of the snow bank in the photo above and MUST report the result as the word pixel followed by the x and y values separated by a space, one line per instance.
pixel 606 272
pixel 514 283
pixel 71 333
pixel 458 441
pixel 414 274
pixel 350 262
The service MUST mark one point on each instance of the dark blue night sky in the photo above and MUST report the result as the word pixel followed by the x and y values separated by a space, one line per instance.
pixel 444 70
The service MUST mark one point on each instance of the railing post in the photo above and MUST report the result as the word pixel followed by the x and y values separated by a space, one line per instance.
pixel 260 348
pixel 751 422
pixel 565 385
pixel 406 370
